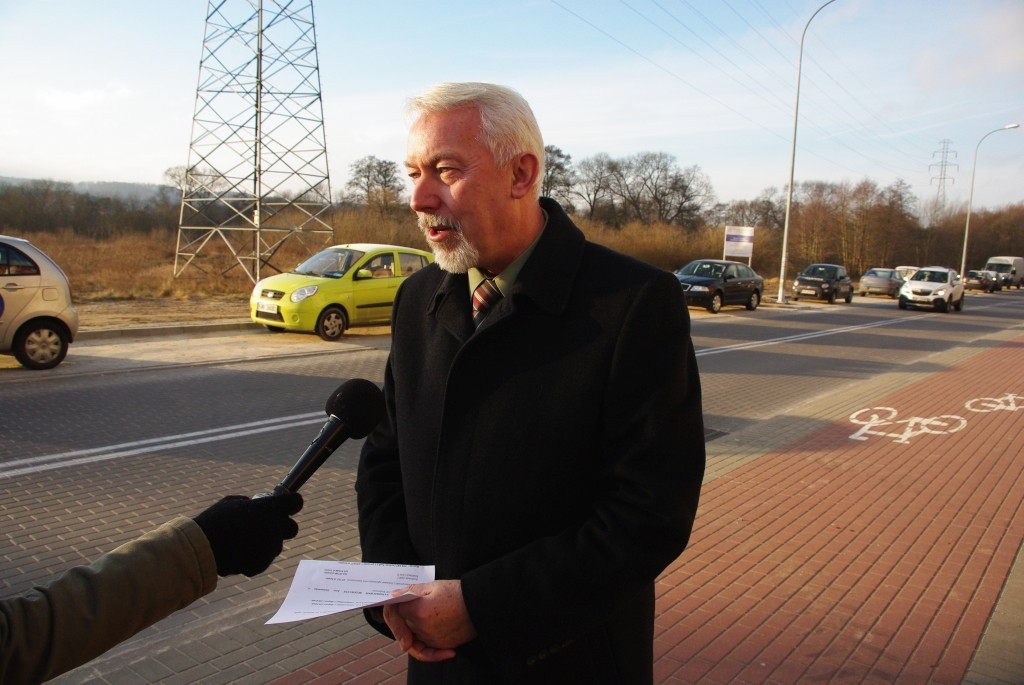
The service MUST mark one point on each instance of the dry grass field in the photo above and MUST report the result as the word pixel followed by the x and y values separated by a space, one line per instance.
pixel 129 279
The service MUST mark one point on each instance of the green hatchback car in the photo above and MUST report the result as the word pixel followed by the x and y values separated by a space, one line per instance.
pixel 340 287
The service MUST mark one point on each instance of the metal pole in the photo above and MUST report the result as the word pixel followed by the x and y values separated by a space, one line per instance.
pixel 257 177
pixel 792 158
pixel 970 195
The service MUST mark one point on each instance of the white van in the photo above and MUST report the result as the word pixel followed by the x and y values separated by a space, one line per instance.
pixel 1010 269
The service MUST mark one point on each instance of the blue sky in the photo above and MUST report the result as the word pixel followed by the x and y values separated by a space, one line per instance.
pixel 105 90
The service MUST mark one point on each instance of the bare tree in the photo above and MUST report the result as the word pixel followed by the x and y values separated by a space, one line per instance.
pixel 650 187
pixel 175 176
pixel 593 183
pixel 376 183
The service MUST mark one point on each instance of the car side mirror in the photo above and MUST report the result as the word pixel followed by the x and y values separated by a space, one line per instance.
pixel 363 273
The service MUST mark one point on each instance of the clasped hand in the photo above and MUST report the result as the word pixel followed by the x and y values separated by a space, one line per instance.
pixel 431 627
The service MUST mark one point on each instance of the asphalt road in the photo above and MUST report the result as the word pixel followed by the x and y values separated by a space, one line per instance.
pixel 129 432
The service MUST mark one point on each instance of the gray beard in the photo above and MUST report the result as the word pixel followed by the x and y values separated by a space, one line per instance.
pixel 456 254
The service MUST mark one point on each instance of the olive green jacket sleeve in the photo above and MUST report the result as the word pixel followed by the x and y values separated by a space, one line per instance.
pixel 90 609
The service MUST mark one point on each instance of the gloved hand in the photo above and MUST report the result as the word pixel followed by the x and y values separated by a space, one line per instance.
pixel 246 535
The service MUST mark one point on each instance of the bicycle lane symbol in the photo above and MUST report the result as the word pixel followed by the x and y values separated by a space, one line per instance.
pixel 872 419
pixel 983 405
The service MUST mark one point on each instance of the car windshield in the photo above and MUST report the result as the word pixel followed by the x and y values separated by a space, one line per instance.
pixel 819 271
pixel 331 263
pixel 930 276
pixel 706 269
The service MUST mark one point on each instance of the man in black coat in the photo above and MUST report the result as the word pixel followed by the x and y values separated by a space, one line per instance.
pixel 545 455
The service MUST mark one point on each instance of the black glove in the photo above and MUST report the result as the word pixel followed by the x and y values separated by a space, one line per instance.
pixel 246 535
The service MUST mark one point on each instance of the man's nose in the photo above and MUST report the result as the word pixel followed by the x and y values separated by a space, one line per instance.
pixel 423 197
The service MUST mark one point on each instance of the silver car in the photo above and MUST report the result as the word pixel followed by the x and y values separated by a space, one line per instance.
pixel 37 318
pixel 880 282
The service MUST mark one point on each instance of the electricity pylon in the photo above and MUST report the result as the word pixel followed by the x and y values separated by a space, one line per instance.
pixel 257 173
pixel 943 165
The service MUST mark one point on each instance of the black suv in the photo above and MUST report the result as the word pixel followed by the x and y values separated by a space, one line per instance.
pixel 824 282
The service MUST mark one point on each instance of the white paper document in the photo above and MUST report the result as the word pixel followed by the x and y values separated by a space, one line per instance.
pixel 320 588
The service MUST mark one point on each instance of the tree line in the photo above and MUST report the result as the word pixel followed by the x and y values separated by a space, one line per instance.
pixel 626 201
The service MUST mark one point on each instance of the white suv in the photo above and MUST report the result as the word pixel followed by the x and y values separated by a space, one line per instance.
pixel 37 318
pixel 933 286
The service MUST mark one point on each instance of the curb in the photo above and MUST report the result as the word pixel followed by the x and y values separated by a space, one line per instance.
pixel 157 330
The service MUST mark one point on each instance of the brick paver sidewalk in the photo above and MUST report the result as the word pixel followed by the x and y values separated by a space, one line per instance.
pixel 875 560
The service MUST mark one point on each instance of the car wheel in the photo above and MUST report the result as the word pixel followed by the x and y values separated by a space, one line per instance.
pixel 332 323
pixel 755 299
pixel 959 304
pixel 832 297
pixel 903 303
pixel 715 305
pixel 40 346
pixel 849 296
pixel 942 306
pixel 796 298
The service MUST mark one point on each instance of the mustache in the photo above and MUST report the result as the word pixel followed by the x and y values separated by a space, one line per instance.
pixel 429 221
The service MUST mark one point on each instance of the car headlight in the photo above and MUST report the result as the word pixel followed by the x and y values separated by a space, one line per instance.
pixel 302 293
pixel 941 292
pixel 698 289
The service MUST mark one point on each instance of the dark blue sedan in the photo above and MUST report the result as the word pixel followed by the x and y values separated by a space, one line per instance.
pixel 713 283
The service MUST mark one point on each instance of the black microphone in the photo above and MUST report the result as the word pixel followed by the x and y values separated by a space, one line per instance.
pixel 353 410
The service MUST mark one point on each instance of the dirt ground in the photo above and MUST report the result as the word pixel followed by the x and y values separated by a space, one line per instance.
pixel 100 314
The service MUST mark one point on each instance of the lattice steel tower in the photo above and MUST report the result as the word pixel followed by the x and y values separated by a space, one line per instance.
pixel 943 165
pixel 257 174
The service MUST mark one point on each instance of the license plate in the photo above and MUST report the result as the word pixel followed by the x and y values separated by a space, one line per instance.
pixel 808 291
pixel 266 307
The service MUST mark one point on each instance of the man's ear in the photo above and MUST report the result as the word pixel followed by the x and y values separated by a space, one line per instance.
pixel 525 169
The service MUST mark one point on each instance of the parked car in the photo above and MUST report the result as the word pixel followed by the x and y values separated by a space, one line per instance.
pixel 38 320
pixel 824 282
pixel 712 283
pixel 978 279
pixel 880 282
pixel 933 286
pixel 340 287
pixel 906 271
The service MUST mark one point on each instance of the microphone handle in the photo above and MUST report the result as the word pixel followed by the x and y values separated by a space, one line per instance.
pixel 333 433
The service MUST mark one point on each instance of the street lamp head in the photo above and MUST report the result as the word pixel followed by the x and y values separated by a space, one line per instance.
pixel 1012 126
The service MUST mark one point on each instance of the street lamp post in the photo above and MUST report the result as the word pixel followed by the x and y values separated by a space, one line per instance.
pixel 792 157
pixel 970 195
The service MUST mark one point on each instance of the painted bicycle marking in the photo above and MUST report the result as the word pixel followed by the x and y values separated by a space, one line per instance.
pixel 1008 402
pixel 902 430
pixel 872 419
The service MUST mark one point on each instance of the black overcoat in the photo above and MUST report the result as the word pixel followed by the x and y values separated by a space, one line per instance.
pixel 551 460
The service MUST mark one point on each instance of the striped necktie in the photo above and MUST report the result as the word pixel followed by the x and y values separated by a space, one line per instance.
pixel 484 296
